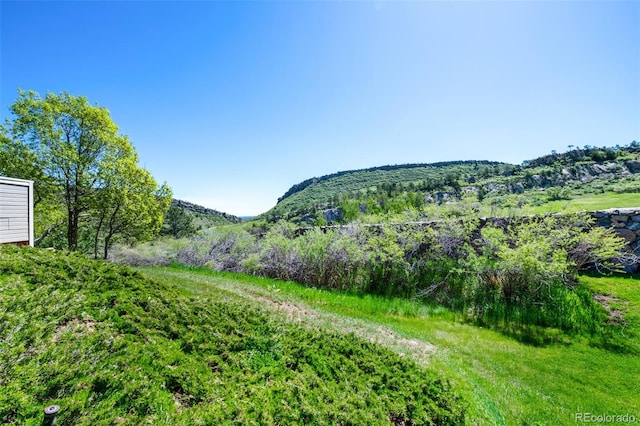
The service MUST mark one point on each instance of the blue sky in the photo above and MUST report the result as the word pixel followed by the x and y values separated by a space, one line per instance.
pixel 231 103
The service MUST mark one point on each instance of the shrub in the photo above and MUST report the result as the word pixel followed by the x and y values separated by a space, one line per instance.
pixel 122 349
pixel 526 274
pixel 161 252
pixel 517 272
pixel 220 249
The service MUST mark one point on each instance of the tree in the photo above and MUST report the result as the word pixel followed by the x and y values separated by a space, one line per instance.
pixel 92 168
pixel 178 223
pixel 130 205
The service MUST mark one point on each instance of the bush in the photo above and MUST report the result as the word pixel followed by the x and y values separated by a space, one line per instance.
pixel 122 349
pixel 220 249
pixel 161 252
pixel 526 274
pixel 517 272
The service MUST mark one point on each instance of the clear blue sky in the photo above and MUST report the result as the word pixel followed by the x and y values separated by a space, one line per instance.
pixel 231 103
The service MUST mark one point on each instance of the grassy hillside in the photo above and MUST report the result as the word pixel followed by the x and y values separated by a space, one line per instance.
pixel 492 188
pixel 110 346
pixel 204 217
pixel 505 382
pixel 328 189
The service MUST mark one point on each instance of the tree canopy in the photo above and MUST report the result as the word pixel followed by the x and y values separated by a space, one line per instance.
pixel 86 173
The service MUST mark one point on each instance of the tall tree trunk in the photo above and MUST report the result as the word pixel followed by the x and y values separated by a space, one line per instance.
pixel 72 230
pixel 107 243
pixel 95 241
pixel 111 230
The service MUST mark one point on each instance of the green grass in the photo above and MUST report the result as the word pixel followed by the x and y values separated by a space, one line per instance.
pixel 626 292
pixel 110 346
pixel 590 202
pixel 504 381
pixel 191 346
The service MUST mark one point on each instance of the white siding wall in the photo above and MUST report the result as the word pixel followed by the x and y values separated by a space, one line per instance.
pixel 16 211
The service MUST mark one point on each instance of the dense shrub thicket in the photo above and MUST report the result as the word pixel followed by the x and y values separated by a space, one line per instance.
pixel 111 347
pixel 521 273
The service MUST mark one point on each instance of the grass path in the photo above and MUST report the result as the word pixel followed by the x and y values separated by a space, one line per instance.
pixel 278 300
pixel 504 381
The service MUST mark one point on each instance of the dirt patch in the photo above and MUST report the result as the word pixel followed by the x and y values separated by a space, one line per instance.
pixel 418 350
pixel 293 312
pixel 75 326
pixel 616 316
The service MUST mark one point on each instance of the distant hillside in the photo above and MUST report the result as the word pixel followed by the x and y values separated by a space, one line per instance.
pixel 421 169
pixel 328 189
pixel 394 188
pixel 204 217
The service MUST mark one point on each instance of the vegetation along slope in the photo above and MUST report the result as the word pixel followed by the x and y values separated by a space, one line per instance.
pixel 110 346
pixel 505 313
pixel 572 180
pixel 503 381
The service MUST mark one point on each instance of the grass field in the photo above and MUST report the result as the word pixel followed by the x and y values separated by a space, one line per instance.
pixel 503 381
pixel 589 202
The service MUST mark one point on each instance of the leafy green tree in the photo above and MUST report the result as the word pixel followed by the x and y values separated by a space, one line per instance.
pixel 130 204
pixel 74 150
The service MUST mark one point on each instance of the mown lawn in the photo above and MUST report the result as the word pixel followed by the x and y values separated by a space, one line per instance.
pixel 503 380
pixel 589 202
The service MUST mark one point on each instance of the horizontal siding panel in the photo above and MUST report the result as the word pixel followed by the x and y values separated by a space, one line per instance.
pixel 14 202
pixel 4 189
pixel 14 195
pixel 12 198
pixel 15 211
pixel 4 200
pixel 13 188
pixel 5 240
pixel 16 223
pixel 15 206
pixel 13 227
pixel 15 233
pixel 23 201
pixel 12 224
pixel 20 192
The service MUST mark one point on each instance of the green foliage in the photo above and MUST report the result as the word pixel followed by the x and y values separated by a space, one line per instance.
pixel 203 218
pixel 557 193
pixel 86 175
pixel 518 275
pixel 526 275
pixel 178 223
pixel 502 379
pixel 17 160
pixel 391 188
pixel 130 206
pixel 391 192
pixel 110 346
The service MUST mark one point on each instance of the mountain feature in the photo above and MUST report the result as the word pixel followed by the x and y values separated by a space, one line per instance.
pixel 557 176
